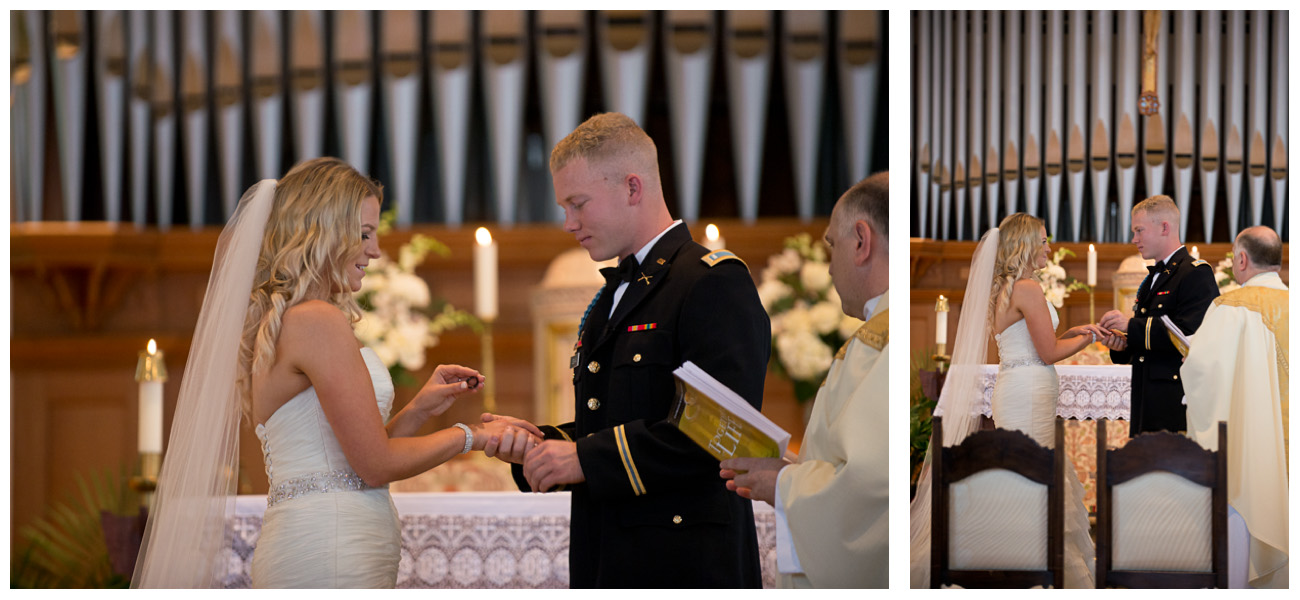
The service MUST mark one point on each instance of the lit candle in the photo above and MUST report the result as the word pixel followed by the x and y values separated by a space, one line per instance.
pixel 151 372
pixel 485 275
pixel 1092 265
pixel 713 240
pixel 1196 254
pixel 941 326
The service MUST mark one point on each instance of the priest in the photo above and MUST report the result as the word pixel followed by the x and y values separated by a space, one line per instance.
pixel 832 513
pixel 1236 371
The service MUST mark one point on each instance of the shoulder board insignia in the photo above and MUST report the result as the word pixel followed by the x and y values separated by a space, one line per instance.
pixel 713 258
pixel 1198 262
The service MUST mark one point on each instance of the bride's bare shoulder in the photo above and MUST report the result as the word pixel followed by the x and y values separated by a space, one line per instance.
pixel 314 321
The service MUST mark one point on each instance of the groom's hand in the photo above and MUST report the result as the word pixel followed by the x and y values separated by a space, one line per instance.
pixel 552 463
pixel 1115 320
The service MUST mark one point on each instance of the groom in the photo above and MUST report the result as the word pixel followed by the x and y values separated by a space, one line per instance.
pixel 648 508
pixel 1176 286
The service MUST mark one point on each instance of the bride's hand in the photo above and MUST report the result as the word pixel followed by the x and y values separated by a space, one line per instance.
pixel 444 386
pixel 1088 330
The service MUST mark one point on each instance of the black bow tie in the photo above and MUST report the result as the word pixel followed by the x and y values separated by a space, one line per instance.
pixel 625 271
pixel 1156 268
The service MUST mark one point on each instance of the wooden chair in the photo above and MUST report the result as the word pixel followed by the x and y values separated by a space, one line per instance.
pixel 1179 455
pixel 997 449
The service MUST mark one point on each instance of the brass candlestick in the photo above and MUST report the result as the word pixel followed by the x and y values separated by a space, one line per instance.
pixel 941 358
pixel 147 481
pixel 489 369
pixel 1092 306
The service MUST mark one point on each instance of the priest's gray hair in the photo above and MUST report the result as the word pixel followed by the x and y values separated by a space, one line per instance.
pixel 1262 245
pixel 867 200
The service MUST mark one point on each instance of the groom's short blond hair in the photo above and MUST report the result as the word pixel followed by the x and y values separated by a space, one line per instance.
pixel 1161 208
pixel 611 141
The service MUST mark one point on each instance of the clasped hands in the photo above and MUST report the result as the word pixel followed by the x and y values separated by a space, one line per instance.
pixel 547 463
pixel 1115 325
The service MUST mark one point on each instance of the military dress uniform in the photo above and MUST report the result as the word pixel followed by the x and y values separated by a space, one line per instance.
pixel 1184 290
pixel 653 511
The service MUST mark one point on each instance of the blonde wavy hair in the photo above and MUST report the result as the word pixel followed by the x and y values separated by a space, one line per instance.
pixel 313 230
pixel 1018 243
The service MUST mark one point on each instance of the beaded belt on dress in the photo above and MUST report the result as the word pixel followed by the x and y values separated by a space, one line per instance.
pixel 316 483
pixel 1022 362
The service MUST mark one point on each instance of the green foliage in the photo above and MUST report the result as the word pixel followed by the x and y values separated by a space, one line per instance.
pixel 921 409
pixel 65 547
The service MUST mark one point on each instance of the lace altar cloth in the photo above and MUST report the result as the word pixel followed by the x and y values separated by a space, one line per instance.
pixel 1089 392
pixel 472 540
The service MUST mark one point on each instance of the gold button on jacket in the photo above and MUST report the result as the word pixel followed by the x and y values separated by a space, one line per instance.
pixel 593 403
pixel 594 367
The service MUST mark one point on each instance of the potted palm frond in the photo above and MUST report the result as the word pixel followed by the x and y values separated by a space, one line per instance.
pixel 67 547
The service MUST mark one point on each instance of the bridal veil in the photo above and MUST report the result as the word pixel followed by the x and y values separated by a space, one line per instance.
pixel 185 534
pixel 958 401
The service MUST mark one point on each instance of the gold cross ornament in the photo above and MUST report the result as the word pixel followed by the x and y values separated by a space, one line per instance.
pixel 645 278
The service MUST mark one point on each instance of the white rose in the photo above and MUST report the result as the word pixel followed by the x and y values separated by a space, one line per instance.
pixel 849 326
pixel 797 320
pixel 786 262
pixel 386 353
pixel 825 317
pixel 1056 295
pixel 410 288
pixel 771 291
pixel 804 356
pixel 373 281
pixel 1057 271
pixel 815 277
pixel 370 329
pixel 413 336
pixel 408 258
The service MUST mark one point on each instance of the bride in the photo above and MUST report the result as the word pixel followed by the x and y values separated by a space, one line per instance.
pixel 1003 299
pixel 275 342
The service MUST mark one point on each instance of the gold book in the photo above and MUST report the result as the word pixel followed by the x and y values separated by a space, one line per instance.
pixel 1176 335
pixel 720 421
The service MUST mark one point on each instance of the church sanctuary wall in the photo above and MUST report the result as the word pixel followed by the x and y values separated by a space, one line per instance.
pixel 86 299
pixel 942 268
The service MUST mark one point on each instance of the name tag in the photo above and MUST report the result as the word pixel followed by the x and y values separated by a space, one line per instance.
pixel 573 361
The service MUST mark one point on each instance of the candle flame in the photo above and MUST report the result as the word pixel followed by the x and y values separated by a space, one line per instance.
pixel 711 232
pixel 483 236
pixel 153 347
pixel 1091 249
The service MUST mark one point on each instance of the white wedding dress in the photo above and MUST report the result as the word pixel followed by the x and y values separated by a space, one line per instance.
pixel 1024 399
pixel 324 527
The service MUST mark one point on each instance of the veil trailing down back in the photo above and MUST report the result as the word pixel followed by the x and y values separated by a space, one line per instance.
pixel 185 533
pixel 957 402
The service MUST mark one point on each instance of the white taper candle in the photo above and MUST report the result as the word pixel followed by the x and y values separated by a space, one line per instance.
pixel 485 275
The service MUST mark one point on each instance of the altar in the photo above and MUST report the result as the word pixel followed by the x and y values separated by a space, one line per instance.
pixel 461 540
pixel 1087 392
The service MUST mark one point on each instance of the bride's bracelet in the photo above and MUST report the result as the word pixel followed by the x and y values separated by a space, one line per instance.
pixel 469 437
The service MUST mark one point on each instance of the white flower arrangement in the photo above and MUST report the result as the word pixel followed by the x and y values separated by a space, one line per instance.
pixel 808 324
pixel 1224 277
pixel 1054 281
pixel 400 320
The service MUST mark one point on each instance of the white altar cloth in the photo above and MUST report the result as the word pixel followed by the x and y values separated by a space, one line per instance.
pixel 1087 391
pixel 472 540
